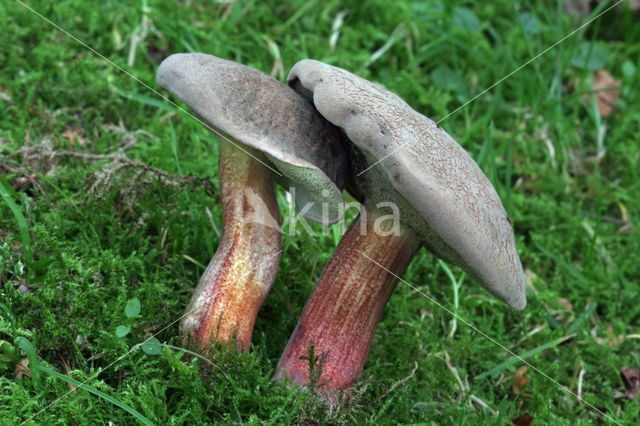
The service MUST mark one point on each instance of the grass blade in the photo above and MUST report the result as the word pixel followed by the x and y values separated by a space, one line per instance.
pixel 144 99
pixel 22 223
pixel 30 350
pixel 515 359
pixel 208 361
pixel 572 270
pixel 577 323
pixel 64 195
pixel 96 392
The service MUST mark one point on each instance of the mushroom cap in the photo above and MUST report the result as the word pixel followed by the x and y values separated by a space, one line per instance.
pixel 442 193
pixel 259 111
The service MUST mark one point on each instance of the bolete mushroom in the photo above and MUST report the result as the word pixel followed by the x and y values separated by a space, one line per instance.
pixel 426 192
pixel 263 126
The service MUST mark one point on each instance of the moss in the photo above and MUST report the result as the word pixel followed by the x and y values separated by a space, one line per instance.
pixel 103 232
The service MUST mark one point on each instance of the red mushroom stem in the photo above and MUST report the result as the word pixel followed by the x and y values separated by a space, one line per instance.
pixel 342 314
pixel 236 282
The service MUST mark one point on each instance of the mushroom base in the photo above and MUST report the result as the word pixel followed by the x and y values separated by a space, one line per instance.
pixel 236 282
pixel 342 314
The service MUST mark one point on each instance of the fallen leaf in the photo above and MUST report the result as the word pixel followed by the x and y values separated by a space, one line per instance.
pixel 607 92
pixel 22 368
pixel 72 135
pixel 612 340
pixel 627 226
pixel 158 52
pixel 519 380
pixel 424 312
pixel 623 210
pixel 524 420
pixel 631 377
pixel 68 370
pixel 578 163
pixel 565 304
pixel 4 96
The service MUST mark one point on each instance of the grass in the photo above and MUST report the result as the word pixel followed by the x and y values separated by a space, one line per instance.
pixel 95 229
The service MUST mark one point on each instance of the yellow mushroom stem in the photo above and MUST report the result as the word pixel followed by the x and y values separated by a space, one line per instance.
pixel 236 282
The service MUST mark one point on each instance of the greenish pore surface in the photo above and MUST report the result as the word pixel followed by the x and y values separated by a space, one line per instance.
pixel 106 189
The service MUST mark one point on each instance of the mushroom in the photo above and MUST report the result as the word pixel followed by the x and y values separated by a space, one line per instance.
pixel 427 191
pixel 262 124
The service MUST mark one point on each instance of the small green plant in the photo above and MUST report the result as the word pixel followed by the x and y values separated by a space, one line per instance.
pixel 150 346
pixel 315 367
pixel 7 351
pixel 13 270
pixel 131 310
pixel 7 193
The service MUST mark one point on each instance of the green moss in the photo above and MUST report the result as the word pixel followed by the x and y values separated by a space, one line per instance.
pixel 102 234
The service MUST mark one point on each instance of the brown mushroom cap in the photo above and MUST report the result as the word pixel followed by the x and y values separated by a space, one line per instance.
pixel 442 193
pixel 259 111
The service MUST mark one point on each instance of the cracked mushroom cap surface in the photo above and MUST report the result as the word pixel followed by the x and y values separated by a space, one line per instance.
pixel 255 109
pixel 441 191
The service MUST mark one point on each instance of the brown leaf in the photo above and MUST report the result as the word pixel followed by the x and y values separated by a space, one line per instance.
pixel 68 370
pixel 519 380
pixel 624 211
pixel 631 377
pixel 607 92
pixel 4 96
pixel 22 368
pixel 524 420
pixel 158 52
pixel 72 135
pixel 612 339
pixel 565 304
pixel 424 312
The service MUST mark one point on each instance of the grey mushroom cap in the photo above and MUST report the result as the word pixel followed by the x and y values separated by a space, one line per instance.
pixel 443 194
pixel 256 110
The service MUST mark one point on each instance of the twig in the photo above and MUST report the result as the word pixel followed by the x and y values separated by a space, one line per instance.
pixel 604 218
pixel 580 378
pixel 464 388
pixel 120 162
pixel 483 404
pixel 454 371
pixel 399 382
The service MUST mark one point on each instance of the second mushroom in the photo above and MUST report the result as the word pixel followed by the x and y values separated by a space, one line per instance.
pixel 420 188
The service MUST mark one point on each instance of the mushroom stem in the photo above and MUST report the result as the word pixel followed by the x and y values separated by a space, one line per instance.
pixel 342 314
pixel 236 282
